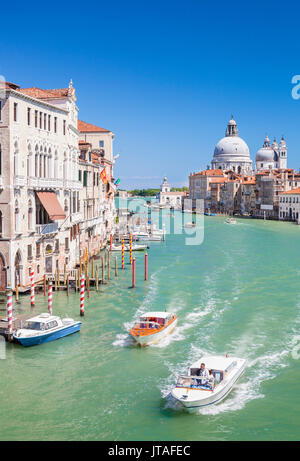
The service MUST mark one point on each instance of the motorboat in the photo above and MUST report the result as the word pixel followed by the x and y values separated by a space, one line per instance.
pixel 135 247
pixel 194 391
pixel 189 225
pixel 45 328
pixel 152 327
pixel 231 221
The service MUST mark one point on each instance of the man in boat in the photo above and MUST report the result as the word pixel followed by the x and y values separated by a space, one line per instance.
pixel 203 372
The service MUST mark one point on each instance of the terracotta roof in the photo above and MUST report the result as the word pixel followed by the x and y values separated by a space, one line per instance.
pixel 218 180
pixel 38 93
pixel 85 127
pixel 291 192
pixel 216 172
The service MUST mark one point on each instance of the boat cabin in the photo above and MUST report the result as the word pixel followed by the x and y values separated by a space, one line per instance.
pixel 154 320
pixel 42 322
pixel 220 367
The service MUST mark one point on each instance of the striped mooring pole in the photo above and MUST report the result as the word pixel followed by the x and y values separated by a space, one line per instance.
pixel 110 242
pixel 50 297
pixel 133 273
pixel 146 266
pixel 32 298
pixel 130 249
pixel 122 252
pixel 82 295
pixel 9 310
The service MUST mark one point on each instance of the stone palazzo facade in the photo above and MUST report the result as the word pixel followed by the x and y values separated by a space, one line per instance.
pixel 53 203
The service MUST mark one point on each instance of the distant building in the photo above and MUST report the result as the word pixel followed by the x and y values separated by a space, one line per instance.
pixel 289 205
pixel 172 199
pixel 271 157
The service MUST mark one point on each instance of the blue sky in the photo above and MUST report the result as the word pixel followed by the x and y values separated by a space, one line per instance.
pixel 164 76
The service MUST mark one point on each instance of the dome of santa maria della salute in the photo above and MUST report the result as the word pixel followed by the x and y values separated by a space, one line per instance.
pixel 231 152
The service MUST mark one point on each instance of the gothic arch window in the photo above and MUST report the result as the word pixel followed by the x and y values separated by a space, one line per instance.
pixel 65 166
pixel 17 216
pixel 30 215
pixel 41 163
pixel 66 207
pixel 36 162
pixel 56 164
pixel 239 169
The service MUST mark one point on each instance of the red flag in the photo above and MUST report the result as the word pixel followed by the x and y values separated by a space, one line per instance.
pixel 103 176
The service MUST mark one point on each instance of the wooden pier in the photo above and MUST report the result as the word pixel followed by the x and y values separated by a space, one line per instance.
pixel 17 323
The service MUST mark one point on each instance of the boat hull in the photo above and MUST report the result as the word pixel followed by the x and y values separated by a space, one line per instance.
pixel 47 337
pixel 156 337
pixel 212 398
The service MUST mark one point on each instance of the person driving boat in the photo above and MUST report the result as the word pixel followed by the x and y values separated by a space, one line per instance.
pixel 203 372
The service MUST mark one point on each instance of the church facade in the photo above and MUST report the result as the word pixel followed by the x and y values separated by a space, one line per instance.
pixel 232 153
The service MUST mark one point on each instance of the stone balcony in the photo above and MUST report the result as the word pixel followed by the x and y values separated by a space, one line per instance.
pixel 19 181
pixel 50 228
pixel 76 218
pixel 70 184
pixel 45 183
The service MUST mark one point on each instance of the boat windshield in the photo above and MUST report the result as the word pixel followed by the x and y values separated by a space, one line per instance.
pixel 193 383
pixel 144 324
pixel 34 326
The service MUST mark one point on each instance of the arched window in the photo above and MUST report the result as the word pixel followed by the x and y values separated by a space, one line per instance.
pixel 36 162
pixel 66 207
pixel 65 166
pixel 45 163
pixel 17 213
pixel 41 163
pixel 30 215
pixel 56 164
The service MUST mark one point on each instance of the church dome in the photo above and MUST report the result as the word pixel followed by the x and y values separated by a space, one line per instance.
pixel 231 147
pixel 266 153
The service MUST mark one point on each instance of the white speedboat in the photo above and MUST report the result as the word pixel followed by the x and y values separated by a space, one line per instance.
pixel 135 247
pixel 189 225
pixel 45 328
pixel 152 327
pixel 194 391
pixel 230 221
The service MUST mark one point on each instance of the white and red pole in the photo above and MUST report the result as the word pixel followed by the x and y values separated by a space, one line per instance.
pixel 110 242
pixel 32 299
pixel 82 295
pixel 50 297
pixel 146 266
pixel 133 273
pixel 9 310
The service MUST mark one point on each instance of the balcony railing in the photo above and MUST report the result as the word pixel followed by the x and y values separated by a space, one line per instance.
pixel 19 181
pixel 76 218
pixel 70 184
pixel 45 183
pixel 50 228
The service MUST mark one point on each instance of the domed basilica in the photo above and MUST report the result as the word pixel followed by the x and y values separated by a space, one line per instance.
pixel 232 153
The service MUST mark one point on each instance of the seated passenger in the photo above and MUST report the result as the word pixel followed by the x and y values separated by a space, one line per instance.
pixel 211 379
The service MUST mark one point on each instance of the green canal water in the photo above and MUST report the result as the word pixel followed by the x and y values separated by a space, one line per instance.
pixel 237 293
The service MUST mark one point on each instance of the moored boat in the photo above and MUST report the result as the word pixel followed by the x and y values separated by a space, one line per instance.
pixel 152 327
pixel 45 328
pixel 196 389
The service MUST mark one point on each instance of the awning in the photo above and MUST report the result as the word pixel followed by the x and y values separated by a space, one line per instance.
pixel 51 204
